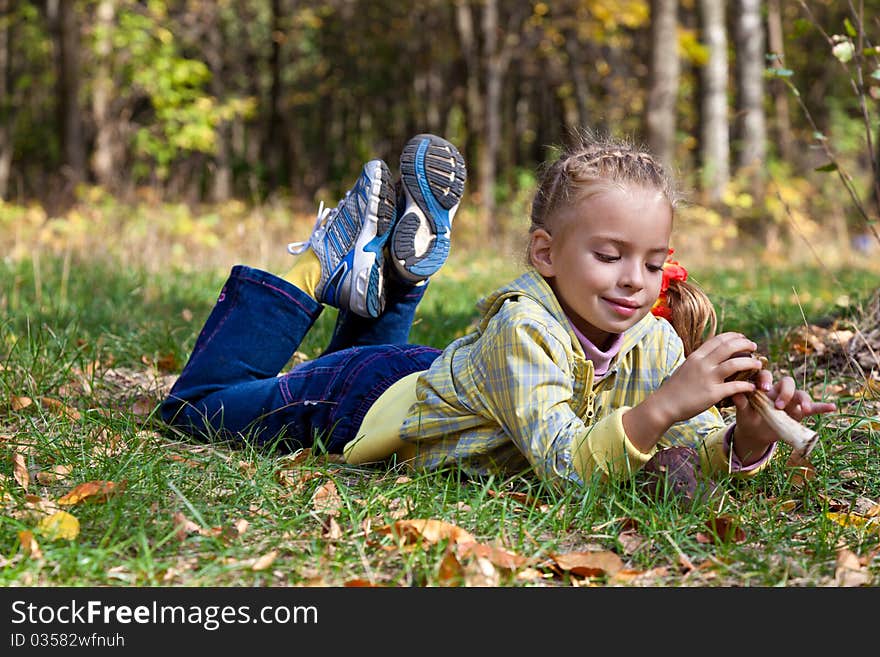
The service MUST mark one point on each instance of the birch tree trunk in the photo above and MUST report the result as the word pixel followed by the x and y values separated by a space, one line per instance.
pixel 750 82
pixel 104 163
pixel 715 142
pixel 665 70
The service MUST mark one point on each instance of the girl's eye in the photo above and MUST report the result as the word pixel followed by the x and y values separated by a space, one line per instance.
pixel 655 268
pixel 604 257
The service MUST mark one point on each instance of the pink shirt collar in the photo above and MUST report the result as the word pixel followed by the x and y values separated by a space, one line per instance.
pixel 601 359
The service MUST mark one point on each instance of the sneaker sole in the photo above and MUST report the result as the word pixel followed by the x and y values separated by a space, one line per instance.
pixel 433 173
pixel 365 289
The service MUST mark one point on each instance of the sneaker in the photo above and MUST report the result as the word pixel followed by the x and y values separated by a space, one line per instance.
pixel 433 174
pixel 349 242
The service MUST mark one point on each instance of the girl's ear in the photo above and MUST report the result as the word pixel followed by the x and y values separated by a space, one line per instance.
pixel 540 252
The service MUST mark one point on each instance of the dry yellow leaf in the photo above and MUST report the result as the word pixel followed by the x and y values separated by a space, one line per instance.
pixel 183 526
pixel 851 519
pixel 326 499
pixel 426 530
pixel 60 408
pixel 265 561
pixel 450 572
pixel 29 544
pixel 589 564
pixel 850 571
pixel 99 490
pixel 19 403
pixel 20 469
pixel 53 474
pixel 59 525
pixel 499 556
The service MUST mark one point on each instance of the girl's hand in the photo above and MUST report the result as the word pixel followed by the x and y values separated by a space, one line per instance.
pixel 701 381
pixel 752 434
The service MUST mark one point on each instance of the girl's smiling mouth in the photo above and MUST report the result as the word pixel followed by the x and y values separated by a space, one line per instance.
pixel 623 307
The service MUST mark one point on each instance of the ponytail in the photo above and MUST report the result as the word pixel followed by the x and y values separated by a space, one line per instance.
pixel 692 314
pixel 686 306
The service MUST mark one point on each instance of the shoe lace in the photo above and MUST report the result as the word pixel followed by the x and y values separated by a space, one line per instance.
pixel 296 248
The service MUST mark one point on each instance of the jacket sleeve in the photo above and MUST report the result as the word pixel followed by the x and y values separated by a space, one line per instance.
pixel 527 388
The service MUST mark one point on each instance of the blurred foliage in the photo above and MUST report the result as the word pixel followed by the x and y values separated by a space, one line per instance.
pixel 288 98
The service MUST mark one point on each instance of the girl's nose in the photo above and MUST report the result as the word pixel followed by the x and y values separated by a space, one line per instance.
pixel 633 276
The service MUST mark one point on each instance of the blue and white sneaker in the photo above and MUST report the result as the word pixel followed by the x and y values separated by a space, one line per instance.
pixel 349 241
pixel 433 174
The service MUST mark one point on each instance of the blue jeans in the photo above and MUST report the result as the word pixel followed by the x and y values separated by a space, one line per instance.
pixel 230 388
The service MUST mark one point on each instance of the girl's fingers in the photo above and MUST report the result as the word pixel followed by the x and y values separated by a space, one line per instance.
pixel 731 366
pixel 764 380
pixel 725 345
pixel 785 390
pixel 731 388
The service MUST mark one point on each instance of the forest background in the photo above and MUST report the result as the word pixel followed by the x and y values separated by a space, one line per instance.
pixel 190 118
pixel 146 146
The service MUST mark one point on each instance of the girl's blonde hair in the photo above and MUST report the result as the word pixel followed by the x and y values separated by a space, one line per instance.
pixel 590 163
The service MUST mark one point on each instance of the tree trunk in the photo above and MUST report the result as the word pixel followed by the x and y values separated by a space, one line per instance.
pixel 275 135
pixel 750 84
pixel 778 88
pixel 494 74
pixel 220 188
pixel 577 70
pixel 65 32
pixel 715 144
pixel 104 163
pixel 471 149
pixel 665 71
pixel 7 112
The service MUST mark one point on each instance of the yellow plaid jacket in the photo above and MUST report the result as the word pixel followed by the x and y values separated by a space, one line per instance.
pixel 518 392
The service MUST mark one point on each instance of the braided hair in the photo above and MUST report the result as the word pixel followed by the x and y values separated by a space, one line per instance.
pixel 590 164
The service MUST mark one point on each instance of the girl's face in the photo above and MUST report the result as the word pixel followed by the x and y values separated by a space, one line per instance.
pixel 604 260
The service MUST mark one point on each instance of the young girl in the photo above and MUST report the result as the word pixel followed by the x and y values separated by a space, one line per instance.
pixel 567 373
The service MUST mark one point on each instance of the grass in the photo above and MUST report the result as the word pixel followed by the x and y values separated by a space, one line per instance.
pixel 93 346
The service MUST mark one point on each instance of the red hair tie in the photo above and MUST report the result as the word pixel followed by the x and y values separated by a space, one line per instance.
pixel 672 271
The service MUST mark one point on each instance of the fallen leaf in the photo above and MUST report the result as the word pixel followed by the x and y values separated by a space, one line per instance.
pixel 480 572
pixel 295 479
pixel 20 469
pixel 499 556
pixel 850 571
pixel 296 459
pixel 183 526
pixel 143 406
pixel 265 561
pixel 450 572
pixel 631 541
pixel 631 576
pixel 60 408
pixel 54 474
pixel 98 490
pixel 331 528
pixel 426 530
pixel 29 544
pixel 19 403
pixel 359 583
pixel 724 529
pixel 851 519
pixel 326 499
pixel 589 564
pixel 60 524
pixel 802 470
